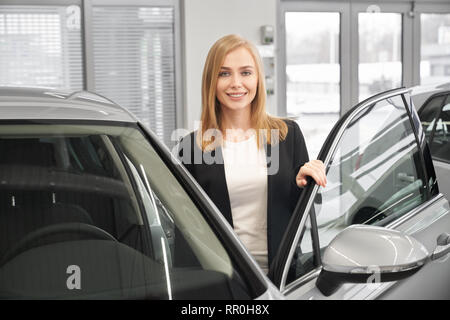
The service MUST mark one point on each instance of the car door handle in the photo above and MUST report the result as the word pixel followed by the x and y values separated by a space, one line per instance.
pixel 402 176
pixel 443 248
pixel 443 239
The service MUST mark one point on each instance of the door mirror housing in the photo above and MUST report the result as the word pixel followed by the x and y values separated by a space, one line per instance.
pixel 368 254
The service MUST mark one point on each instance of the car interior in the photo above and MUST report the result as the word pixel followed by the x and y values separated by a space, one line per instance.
pixel 64 201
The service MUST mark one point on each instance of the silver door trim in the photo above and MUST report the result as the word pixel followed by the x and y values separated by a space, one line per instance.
pixel 415 211
pixel 313 274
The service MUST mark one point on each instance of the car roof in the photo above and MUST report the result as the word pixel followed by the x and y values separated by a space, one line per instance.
pixel 421 93
pixel 20 103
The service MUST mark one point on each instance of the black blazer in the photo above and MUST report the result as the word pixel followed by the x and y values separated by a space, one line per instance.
pixel 282 192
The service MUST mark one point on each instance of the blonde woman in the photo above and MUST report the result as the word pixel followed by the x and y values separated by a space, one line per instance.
pixel 252 165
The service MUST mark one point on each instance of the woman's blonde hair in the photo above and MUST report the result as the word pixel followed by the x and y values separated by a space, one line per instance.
pixel 211 110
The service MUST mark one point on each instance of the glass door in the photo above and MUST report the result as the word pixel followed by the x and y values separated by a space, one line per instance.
pixel 380 52
pixel 313 73
pixel 434 48
pixel 382 48
pixel 315 79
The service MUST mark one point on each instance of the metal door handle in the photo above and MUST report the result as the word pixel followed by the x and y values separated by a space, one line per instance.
pixel 443 241
pixel 402 176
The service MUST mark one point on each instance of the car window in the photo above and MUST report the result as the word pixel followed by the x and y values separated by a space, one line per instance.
pixel 93 212
pixel 303 260
pixel 429 113
pixel 375 173
pixel 440 141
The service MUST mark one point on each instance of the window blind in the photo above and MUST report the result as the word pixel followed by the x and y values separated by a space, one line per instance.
pixel 134 62
pixel 41 46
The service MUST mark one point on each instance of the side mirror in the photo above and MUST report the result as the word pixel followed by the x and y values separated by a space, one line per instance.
pixel 362 254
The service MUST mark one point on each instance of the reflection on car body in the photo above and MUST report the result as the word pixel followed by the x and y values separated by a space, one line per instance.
pixel 374 169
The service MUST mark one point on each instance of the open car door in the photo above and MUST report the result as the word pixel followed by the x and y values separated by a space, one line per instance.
pixel 373 231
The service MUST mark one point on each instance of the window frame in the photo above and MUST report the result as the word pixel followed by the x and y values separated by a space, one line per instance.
pixel 59 3
pixel 419 8
pixel 89 71
pixel 406 42
pixel 87 52
pixel 349 42
pixel 344 42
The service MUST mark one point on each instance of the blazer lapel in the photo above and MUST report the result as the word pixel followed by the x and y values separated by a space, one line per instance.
pixel 219 194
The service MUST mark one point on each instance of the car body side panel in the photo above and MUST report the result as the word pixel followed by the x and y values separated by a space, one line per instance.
pixel 443 175
pixel 432 282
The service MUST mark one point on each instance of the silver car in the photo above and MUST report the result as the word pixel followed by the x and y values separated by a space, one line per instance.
pixel 93 206
pixel 433 105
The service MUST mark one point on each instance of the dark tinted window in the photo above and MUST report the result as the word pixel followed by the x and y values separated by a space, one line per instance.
pixel 303 260
pixel 93 212
pixel 440 143
pixel 429 113
pixel 428 160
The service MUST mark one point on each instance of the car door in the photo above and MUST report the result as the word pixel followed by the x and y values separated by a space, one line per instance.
pixel 379 173
pixel 435 117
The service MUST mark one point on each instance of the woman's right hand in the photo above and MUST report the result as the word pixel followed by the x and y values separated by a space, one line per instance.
pixel 314 169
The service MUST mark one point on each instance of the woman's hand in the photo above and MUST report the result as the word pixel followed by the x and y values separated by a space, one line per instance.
pixel 314 169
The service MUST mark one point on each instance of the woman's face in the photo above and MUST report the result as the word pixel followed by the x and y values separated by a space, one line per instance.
pixel 238 80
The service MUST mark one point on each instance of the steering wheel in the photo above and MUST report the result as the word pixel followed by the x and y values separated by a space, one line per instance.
pixel 61 228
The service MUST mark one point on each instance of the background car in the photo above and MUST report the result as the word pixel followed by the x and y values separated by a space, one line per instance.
pixel 433 105
pixel 93 206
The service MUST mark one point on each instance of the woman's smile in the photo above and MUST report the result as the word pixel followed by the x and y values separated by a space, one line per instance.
pixel 236 96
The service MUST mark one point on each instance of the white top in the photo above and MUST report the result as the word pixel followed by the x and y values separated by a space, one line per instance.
pixel 246 177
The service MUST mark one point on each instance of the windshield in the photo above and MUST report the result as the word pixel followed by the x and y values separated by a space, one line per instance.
pixel 91 211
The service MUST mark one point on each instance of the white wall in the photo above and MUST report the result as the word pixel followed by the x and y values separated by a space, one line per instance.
pixel 205 21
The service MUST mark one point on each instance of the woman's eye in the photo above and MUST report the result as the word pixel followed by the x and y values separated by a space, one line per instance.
pixel 224 74
pixel 246 73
